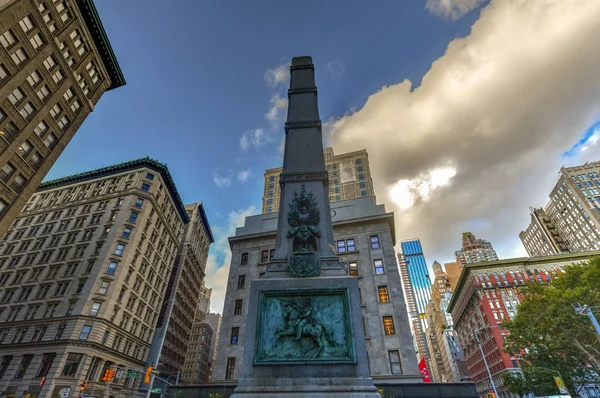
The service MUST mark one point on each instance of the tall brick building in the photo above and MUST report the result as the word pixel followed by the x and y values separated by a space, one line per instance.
pixel 83 270
pixel 55 64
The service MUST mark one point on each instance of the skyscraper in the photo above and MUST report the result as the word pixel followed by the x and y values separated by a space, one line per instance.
pixel 197 358
pixel 570 222
pixel 474 250
pixel 55 64
pixel 418 282
pixel 83 271
pixel 349 178
pixel 180 304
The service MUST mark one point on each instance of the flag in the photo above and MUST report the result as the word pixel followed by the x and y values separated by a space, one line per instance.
pixel 424 371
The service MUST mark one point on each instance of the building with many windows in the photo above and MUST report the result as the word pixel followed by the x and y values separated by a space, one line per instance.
pixel 177 320
pixel 55 64
pixel 349 178
pixel 83 270
pixel 214 321
pixel 474 250
pixel 365 238
pixel 570 222
pixel 485 295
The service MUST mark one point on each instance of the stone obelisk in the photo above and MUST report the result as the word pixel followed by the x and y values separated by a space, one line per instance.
pixel 304 334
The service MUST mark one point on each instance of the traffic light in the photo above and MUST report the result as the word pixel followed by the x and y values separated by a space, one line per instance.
pixel 42 381
pixel 109 374
pixel 148 373
pixel 83 385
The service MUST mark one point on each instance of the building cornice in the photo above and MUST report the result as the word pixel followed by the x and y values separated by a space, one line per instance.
pixel 94 25
pixel 120 168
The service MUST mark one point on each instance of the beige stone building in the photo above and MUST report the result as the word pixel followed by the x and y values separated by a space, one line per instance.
pixel 364 238
pixel 197 359
pixel 184 293
pixel 83 270
pixel 55 64
pixel 349 178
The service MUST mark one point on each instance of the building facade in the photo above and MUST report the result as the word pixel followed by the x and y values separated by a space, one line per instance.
pixel 364 235
pixel 55 64
pixel 474 250
pixel 197 362
pixel 349 178
pixel 184 292
pixel 570 222
pixel 486 294
pixel 81 283
pixel 214 321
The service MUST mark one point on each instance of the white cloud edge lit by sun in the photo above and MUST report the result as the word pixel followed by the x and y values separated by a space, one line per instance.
pixel 405 193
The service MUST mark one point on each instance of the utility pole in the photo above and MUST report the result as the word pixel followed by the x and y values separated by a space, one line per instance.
pixel 587 311
pixel 485 361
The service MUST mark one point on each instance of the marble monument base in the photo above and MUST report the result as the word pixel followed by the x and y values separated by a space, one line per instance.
pixel 328 360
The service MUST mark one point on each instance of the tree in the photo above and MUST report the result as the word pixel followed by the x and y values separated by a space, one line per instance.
pixel 547 333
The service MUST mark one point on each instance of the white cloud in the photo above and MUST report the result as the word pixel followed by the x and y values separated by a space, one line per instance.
pixel 501 106
pixel 254 138
pixel 244 175
pixel 219 259
pixel 277 111
pixel 221 181
pixel 336 69
pixel 452 9
pixel 278 75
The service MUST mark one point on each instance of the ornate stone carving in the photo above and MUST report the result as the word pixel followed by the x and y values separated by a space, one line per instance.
pixel 304 326
pixel 303 219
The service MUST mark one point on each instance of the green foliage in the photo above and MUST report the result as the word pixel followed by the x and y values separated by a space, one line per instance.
pixel 382 393
pixel 215 395
pixel 548 333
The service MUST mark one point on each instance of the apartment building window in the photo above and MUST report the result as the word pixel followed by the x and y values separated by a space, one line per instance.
pixel 353 269
pixel 14 313
pixel 244 259
pixel 150 176
pixel 242 282
pixel 60 330
pixel 383 294
pixel 230 371
pixel 395 366
pixel 103 287
pixel 85 332
pixel 6 360
pixel 71 365
pixel 50 310
pixel 24 365
pixel 264 256
pixel 7 39
pixel 38 334
pixel 119 250
pixel 145 187
pixel 235 335
pixel 70 308
pixel 133 216
pixel 374 242
pixel 139 202
pixel 388 325
pixel 346 245
pixel 379 269
pixel 46 364
pixel 237 309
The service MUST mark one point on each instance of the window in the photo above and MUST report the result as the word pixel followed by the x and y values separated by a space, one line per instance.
pixel 16 96
pixel 71 365
pixel 36 41
pixel 145 187
pixel 24 365
pixel 26 24
pixel 112 267
pixel 242 282
pixel 383 294
pixel 379 267
pixel 103 287
pixel 6 360
pixel 119 250
pixel 353 269
pixel 150 176
pixel 341 246
pixel 34 78
pixel 237 310
pixel 139 202
pixel 230 371
pixel 19 56
pixel 395 366
pixel 235 335
pixel 374 242
pixel 264 256
pixel 244 259
pixel 85 332
pixel 46 364
pixel 388 325
pixel 132 216
pixel 7 171
pixel 58 76
pixel 126 233
pixel 7 39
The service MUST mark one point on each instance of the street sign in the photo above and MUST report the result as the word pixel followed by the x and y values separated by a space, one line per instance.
pixel 157 390
pixel 119 373
pixel 562 389
pixel 132 374
pixel 65 392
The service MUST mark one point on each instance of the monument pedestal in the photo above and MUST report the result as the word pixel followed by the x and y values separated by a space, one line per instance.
pixel 330 357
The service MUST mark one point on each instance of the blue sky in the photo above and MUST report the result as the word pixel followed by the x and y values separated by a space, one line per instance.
pixel 467 108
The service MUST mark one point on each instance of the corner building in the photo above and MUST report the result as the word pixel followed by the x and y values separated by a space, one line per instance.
pixel 349 178
pixel 485 295
pixel 365 238
pixel 55 64
pixel 83 271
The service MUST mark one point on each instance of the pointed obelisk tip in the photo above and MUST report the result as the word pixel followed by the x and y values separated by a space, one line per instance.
pixel 298 61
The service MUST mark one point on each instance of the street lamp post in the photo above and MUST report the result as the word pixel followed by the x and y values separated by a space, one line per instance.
pixel 483 357
pixel 587 311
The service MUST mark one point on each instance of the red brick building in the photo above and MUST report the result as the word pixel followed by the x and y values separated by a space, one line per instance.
pixel 486 294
